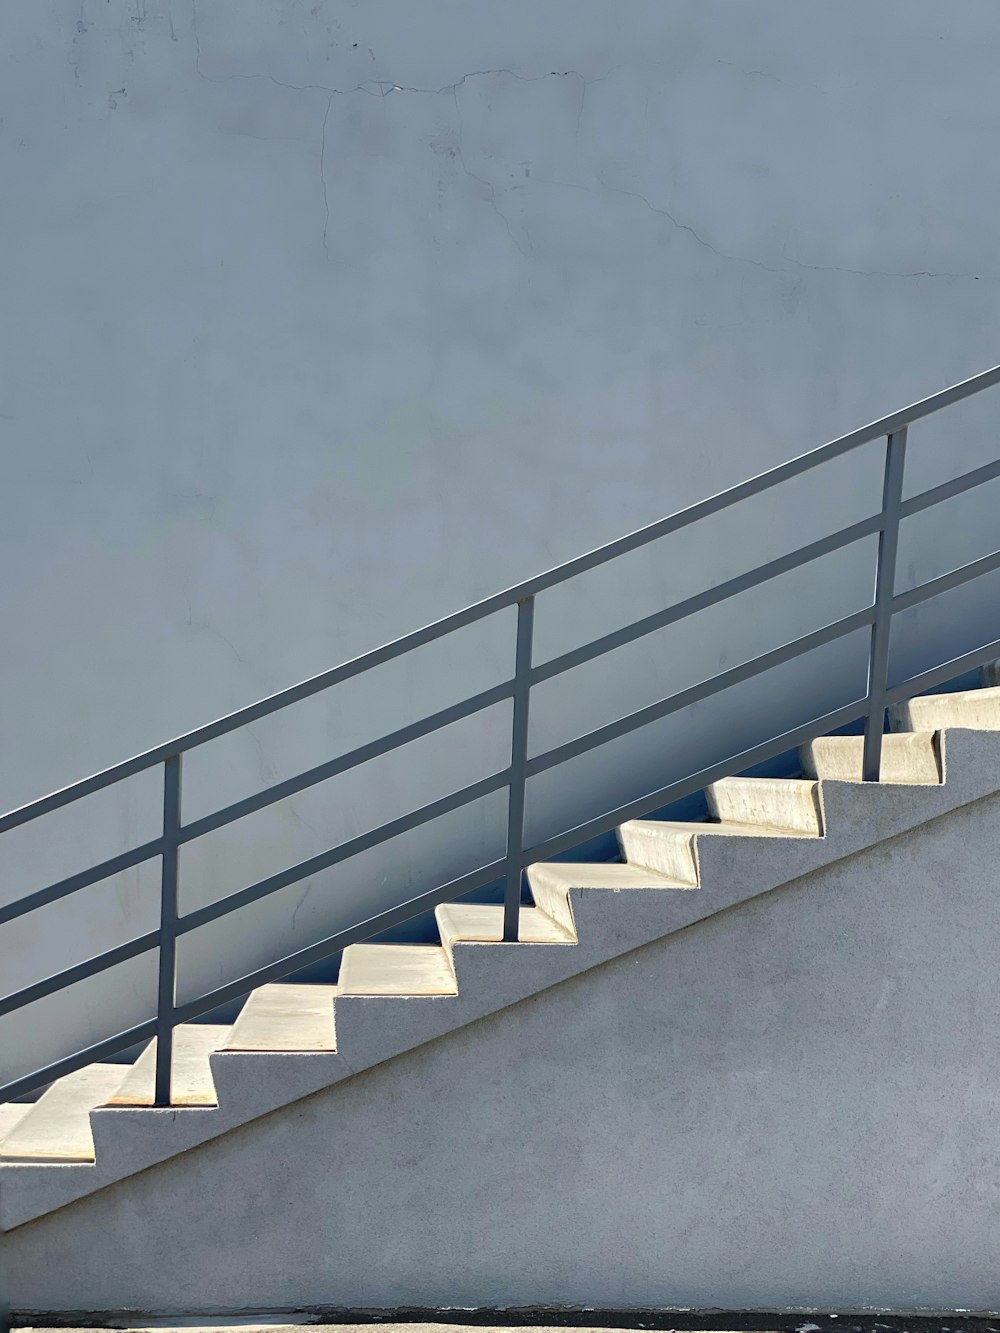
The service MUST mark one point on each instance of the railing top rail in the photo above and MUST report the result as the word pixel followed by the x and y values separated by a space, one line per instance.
pixel 502 600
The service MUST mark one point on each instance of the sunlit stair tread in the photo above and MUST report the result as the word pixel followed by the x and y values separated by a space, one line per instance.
pixel 729 828
pixel 612 875
pixel 788 804
pixel 191 1083
pixel 977 710
pixel 668 846
pixel 57 1126
pixel 483 923
pixel 908 757
pixel 396 969
pixel 282 1017
pixel 551 882
pixel 11 1115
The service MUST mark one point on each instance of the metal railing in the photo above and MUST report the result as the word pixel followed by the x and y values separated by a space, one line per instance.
pixel 175 833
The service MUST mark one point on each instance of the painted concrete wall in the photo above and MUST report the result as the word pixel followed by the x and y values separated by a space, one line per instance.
pixel 322 320
pixel 790 1104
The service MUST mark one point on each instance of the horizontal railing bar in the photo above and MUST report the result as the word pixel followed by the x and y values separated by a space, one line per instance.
pixel 241 718
pixel 362 755
pixel 502 600
pixel 82 880
pixel 541 851
pixel 695 693
pixel 702 601
pixel 259 800
pixel 953 579
pixel 753 486
pixel 85 787
pixel 315 953
pixel 263 888
pixel 926 680
pixel 926 407
pixel 949 489
pixel 20 1087
pixel 676 791
pixel 79 972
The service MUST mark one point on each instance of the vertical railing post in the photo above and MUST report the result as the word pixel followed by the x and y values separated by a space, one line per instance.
pixel 885 585
pixel 167 989
pixel 518 761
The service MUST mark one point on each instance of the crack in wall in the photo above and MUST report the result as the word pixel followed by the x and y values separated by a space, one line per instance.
pixel 750 73
pixel 377 87
pixel 322 173
pixel 744 259
pixel 663 213
pixel 383 88
pixel 883 273
pixel 481 180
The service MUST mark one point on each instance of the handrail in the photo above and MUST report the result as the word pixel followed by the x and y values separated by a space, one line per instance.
pixel 510 597
pixel 876 618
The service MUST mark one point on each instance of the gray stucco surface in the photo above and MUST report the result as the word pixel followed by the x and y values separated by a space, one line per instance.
pixel 791 1104
pixel 325 319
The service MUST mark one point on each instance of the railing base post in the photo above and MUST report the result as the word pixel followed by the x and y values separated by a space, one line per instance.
pixel 885 581
pixel 518 765
pixel 166 997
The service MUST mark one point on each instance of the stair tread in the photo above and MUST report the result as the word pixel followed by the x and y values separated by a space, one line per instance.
pixel 605 875
pixel 728 827
pixel 789 804
pixel 908 757
pixel 396 969
pixel 483 923
pixel 975 710
pixel 11 1114
pixel 800 785
pixel 191 1082
pixel 281 1017
pixel 57 1127
pixel 984 694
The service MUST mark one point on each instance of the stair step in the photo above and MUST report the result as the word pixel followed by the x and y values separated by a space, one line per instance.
pixel 396 969
pixel 551 882
pixel 668 847
pixel 11 1114
pixel 790 804
pixel 976 710
pixel 909 757
pixel 191 1081
pixel 285 1018
pixel 483 922
pixel 57 1127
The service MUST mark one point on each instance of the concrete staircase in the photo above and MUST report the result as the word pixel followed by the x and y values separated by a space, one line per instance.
pixel 98 1126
